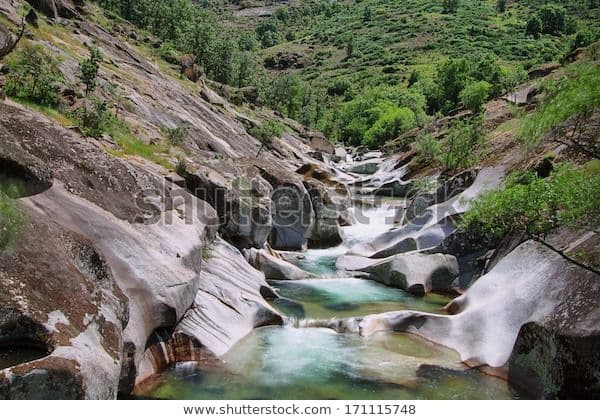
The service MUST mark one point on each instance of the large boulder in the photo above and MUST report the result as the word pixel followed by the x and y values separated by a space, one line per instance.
pixel 190 69
pixel 61 313
pixel 146 235
pixel 273 266
pixel 415 273
pixel 551 363
pixel 425 223
pixel 292 210
pixel 533 317
pixel 59 8
pixel 229 303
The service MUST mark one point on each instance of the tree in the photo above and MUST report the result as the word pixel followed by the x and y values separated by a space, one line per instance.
pixel 474 95
pixel 367 14
pixel 449 6
pixel 265 134
pixel 88 69
pixel 413 78
pixel 536 206
pixel 501 6
pixel 34 76
pixel 460 145
pixel 452 77
pixel 553 19
pixel 534 26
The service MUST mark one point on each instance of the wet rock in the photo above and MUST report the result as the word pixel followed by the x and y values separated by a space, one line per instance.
pixel 530 285
pixel 273 266
pixel 228 304
pixel 365 168
pixel 326 229
pixel 416 273
pixel 555 364
pixel 396 188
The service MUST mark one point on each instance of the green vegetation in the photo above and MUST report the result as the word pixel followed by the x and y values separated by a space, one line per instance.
pixel 188 28
pixel 34 76
pixel 265 133
pixel 176 136
pixel 460 148
pixel 570 100
pixel 475 94
pixel 443 50
pixel 352 47
pixel 11 217
pixel 570 196
pixel 88 70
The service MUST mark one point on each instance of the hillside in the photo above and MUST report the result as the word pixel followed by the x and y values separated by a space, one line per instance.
pixel 299 199
pixel 343 49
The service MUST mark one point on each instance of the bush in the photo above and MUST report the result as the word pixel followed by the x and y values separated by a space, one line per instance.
pixel 577 94
pixel 176 136
pixel 392 122
pixel 474 95
pixel 92 116
pixel 534 26
pixel 449 6
pixel 553 19
pixel 34 76
pixel 339 87
pixel 266 132
pixel 569 197
pixel 427 148
pixel 462 142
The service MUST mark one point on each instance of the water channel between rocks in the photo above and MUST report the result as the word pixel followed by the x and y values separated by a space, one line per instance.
pixel 298 362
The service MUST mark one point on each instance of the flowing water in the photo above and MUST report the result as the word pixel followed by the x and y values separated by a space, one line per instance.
pixel 293 362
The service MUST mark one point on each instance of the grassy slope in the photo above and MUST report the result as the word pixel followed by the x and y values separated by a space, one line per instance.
pixel 403 35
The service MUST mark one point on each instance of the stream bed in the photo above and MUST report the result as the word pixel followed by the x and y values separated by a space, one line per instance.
pixel 296 362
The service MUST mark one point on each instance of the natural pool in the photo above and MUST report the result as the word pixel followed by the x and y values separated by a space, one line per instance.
pixel 292 362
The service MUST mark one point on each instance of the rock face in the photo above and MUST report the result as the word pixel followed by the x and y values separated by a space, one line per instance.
pixel 554 364
pixel 273 266
pixel 532 297
pixel 59 8
pixel 59 295
pixel 141 275
pixel 416 273
pixel 227 305
pixel 429 224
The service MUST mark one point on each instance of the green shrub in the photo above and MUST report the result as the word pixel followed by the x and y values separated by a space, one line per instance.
pixel 576 94
pixel 266 132
pixel 391 123
pixel 34 76
pixel 475 94
pixel 534 26
pixel 176 136
pixel 461 144
pixel 553 19
pixel 569 197
pixel 427 148
pixel 88 70
pixel 92 116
